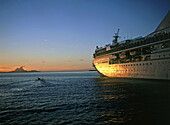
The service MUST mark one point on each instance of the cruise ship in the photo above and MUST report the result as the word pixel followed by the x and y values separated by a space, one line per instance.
pixel 142 57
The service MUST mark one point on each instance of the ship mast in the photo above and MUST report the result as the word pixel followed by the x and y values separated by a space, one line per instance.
pixel 116 36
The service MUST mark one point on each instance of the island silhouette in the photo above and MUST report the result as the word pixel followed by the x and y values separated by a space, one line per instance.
pixel 21 69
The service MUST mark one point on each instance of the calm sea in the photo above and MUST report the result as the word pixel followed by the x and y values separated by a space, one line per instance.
pixel 82 98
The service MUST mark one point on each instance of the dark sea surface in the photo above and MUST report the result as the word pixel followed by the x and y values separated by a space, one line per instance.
pixel 82 98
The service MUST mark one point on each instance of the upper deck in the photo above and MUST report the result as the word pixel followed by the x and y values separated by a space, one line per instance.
pixel 134 44
pixel 160 35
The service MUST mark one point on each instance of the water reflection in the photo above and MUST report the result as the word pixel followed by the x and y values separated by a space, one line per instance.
pixel 132 101
pixel 114 97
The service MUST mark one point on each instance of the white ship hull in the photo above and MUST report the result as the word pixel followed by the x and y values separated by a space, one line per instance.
pixel 156 69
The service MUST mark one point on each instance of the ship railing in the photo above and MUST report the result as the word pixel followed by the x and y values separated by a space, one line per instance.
pixel 135 44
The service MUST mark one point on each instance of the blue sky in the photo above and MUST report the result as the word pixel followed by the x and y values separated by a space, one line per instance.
pixel 52 35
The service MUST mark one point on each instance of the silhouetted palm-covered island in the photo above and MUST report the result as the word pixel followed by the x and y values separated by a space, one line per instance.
pixel 21 69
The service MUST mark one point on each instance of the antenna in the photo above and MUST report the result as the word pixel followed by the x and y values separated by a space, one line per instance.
pixel 116 36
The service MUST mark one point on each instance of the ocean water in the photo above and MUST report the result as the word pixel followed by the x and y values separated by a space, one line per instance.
pixel 82 98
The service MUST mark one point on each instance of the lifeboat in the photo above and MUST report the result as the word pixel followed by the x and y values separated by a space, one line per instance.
pixel 122 55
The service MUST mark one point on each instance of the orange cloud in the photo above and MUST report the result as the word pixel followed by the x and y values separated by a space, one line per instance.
pixel 7 68
pixel 43 61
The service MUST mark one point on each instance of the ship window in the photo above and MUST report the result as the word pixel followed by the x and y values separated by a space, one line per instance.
pixel 140 64
pixel 150 63
pixel 146 63
pixel 159 56
pixel 163 55
pixel 131 64
pixel 143 64
pixel 136 64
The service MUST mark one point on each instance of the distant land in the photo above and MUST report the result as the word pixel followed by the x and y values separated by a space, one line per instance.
pixel 92 70
pixel 21 69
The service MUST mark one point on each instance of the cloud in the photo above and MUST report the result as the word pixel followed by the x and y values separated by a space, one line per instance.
pixel 9 66
pixel 45 40
pixel 81 59
pixel 43 61
pixel 5 67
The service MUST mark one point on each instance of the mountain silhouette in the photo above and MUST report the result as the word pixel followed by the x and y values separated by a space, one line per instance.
pixel 20 70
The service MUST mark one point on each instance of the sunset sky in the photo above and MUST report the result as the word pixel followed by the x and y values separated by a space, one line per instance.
pixel 57 35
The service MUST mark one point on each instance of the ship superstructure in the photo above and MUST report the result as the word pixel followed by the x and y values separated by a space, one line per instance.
pixel 142 57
